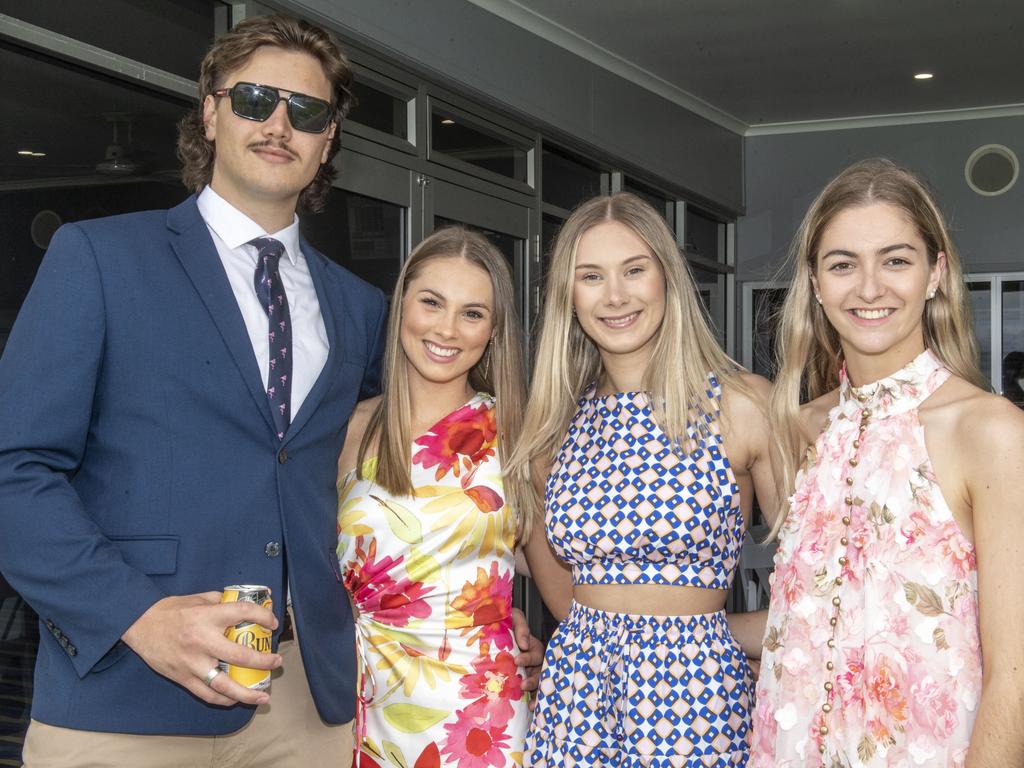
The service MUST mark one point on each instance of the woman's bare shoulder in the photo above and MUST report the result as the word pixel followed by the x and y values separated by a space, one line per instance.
pixel 975 419
pixel 748 400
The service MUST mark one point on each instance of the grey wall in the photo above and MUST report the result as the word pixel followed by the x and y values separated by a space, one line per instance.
pixel 504 64
pixel 785 172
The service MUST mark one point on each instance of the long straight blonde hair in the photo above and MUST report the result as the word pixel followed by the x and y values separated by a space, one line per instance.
pixel 684 353
pixel 808 349
pixel 499 371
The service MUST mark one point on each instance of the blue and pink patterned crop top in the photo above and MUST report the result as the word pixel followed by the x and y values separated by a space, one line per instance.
pixel 625 506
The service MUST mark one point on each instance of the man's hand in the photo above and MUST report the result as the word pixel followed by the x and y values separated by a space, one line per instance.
pixel 182 638
pixel 531 654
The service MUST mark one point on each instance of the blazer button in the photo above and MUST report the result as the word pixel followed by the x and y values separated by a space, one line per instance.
pixel 273 549
pixel 282 456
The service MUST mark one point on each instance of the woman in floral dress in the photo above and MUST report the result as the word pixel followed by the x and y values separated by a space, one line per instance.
pixel 894 632
pixel 426 535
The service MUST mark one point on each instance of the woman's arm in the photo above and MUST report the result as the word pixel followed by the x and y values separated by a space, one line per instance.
pixel 748 630
pixel 993 454
pixel 552 576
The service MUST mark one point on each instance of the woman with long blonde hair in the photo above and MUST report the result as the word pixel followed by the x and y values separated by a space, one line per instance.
pixel 894 636
pixel 426 530
pixel 646 441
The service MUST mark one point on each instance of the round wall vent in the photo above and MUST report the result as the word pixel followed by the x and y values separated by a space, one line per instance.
pixel 991 169
pixel 44 225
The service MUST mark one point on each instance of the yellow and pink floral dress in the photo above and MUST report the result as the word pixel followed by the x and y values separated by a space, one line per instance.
pixel 872 654
pixel 430 576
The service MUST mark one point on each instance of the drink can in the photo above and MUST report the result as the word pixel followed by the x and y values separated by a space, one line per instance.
pixel 247 633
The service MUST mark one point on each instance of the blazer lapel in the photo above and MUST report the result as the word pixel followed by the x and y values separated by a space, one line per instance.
pixel 194 248
pixel 329 314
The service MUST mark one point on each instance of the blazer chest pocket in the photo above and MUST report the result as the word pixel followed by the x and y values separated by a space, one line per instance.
pixel 153 555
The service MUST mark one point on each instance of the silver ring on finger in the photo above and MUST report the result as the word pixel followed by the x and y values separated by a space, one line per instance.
pixel 208 677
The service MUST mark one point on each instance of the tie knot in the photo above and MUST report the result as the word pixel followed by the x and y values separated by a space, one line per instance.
pixel 268 248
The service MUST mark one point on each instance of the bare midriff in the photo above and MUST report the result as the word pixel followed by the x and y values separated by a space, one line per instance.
pixel 650 599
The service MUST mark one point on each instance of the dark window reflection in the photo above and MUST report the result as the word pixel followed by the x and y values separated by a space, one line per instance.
pixel 1012 327
pixel 364 235
pixel 507 244
pixel 567 181
pixel 82 126
pixel 179 31
pixel 19 638
pixel 980 296
pixel 702 234
pixel 657 200
pixel 452 135
pixel 379 109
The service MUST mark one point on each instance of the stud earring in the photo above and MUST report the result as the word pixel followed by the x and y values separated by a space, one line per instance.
pixel 931 294
pixel 818 298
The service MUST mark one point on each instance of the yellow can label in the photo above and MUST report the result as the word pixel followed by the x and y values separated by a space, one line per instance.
pixel 249 634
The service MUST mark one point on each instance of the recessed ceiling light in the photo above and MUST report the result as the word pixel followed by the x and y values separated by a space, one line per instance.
pixel 923 76
pixel 447 121
pixel 38 154
pixel 25 152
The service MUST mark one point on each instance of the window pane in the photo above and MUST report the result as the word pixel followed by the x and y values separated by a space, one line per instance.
pixel 454 136
pixel 657 200
pixel 1013 340
pixel 381 110
pixel 82 125
pixel 171 35
pixel 980 294
pixel 18 645
pixel 364 235
pixel 702 234
pixel 566 180
pixel 507 244
pixel 710 286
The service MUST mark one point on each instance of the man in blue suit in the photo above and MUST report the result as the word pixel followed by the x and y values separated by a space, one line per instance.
pixel 175 395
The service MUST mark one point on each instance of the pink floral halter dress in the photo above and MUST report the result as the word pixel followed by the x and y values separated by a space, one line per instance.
pixel 872 654
pixel 430 576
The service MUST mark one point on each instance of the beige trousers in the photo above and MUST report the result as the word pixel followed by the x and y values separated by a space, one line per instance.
pixel 285 732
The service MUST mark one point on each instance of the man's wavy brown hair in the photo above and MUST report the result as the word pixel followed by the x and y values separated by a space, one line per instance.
pixel 232 51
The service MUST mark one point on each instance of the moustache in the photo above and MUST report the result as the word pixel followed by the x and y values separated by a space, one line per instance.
pixel 278 145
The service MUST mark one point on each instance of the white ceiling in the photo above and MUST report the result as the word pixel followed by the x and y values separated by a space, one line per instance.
pixel 757 63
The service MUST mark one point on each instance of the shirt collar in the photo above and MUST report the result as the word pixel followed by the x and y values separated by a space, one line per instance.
pixel 236 229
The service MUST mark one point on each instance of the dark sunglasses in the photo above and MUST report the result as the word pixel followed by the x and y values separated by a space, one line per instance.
pixel 258 102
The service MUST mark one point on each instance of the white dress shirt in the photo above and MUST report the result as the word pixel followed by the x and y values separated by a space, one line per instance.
pixel 231 231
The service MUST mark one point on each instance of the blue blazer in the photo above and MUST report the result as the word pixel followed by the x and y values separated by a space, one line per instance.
pixel 138 460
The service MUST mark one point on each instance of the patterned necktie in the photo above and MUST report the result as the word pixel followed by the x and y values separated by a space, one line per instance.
pixel 270 292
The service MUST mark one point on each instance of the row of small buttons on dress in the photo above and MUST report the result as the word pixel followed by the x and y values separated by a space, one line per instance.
pixel 826 708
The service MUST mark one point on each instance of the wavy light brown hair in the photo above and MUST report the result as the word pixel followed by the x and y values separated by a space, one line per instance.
pixel 684 353
pixel 498 372
pixel 808 349
pixel 232 51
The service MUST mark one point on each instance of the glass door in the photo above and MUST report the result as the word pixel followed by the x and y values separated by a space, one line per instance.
pixel 506 224
pixel 365 226
pixel 997 306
